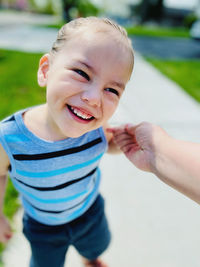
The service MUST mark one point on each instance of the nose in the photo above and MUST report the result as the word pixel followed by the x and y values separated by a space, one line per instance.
pixel 92 97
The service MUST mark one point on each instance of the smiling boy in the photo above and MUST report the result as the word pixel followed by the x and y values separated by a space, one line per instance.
pixel 52 151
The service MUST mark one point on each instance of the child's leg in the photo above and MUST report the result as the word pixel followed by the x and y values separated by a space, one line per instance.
pixel 90 232
pixel 45 254
pixel 49 244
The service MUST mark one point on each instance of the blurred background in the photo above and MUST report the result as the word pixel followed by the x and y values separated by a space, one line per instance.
pixel 168 12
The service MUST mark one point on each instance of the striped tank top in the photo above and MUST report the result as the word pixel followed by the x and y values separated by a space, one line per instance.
pixel 57 181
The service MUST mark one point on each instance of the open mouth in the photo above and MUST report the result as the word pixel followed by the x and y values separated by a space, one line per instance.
pixel 80 114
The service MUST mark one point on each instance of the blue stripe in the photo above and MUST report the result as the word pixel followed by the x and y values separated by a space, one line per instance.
pixel 73 215
pixel 12 138
pixel 54 201
pixel 59 171
pixel 80 211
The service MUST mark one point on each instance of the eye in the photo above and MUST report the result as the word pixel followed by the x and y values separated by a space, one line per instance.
pixel 82 73
pixel 112 91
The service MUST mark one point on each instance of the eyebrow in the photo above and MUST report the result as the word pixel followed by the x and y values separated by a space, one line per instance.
pixel 86 65
pixel 118 84
pixel 113 83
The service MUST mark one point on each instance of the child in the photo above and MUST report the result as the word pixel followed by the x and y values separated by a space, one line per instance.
pixel 52 151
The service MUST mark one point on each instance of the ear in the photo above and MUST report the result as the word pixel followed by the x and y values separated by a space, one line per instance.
pixel 43 70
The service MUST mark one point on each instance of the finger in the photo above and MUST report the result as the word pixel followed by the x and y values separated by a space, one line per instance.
pixel 122 138
pixel 110 130
pixel 130 148
pixel 119 141
pixel 128 142
pixel 130 128
pixel 125 147
pixel 116 129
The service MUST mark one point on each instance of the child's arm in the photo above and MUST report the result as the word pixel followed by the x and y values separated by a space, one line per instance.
pixel 175 162
pixel 112 147
pixel 5 229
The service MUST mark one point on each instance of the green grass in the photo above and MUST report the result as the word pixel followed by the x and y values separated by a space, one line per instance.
pixel 183 72
pixel 18 81
pixel 154 31
pixel 19 89
pixel 157 31
pixel 54 26
pixel 10 207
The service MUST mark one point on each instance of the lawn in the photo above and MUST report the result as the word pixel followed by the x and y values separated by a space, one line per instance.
pixel 156 31
pixel 183 72
pixel 19 89
pixel 18 81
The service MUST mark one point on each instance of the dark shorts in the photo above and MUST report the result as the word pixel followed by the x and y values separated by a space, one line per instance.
pixel 89 234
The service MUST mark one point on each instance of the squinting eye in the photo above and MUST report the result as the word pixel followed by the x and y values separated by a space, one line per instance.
pixel 82 73
pixel 112 91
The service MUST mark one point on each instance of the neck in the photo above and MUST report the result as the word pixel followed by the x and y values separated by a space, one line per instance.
pixel 39 121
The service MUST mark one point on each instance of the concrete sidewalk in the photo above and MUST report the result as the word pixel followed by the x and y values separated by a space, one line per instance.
pixel 152 224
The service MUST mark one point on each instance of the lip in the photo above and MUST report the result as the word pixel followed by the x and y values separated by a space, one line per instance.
pixel 78 118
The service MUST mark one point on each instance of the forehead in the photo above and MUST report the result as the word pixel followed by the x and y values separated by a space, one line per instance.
pixel 96 27
pixel 104 40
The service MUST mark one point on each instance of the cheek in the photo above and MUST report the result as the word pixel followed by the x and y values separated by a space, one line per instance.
pixel 59 90
pixel 110 107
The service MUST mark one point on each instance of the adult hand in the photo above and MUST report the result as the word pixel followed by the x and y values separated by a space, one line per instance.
pixel 137 143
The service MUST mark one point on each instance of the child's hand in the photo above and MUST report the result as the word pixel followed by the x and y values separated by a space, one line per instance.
pixel 136 143
pixel 5 229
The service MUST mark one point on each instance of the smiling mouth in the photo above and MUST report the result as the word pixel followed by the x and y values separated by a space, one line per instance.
pixel 80 114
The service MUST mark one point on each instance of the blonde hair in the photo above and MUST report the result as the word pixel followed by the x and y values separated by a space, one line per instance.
pixel 67 30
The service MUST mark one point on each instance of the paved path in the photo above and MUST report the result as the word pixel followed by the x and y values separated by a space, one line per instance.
pixel 152 224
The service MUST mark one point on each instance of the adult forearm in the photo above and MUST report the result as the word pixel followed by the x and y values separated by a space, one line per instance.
pixel 177 163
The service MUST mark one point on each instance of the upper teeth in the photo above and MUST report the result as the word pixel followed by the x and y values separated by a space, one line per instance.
pixel 81 114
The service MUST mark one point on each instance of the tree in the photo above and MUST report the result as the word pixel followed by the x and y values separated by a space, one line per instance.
pixel 66 6
pixel 151 9
pixel 84 8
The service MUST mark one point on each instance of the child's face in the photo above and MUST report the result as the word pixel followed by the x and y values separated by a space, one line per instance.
pixel 85 81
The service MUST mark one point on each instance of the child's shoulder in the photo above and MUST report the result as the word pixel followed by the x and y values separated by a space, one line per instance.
pixel 7 123
pixel 10 127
